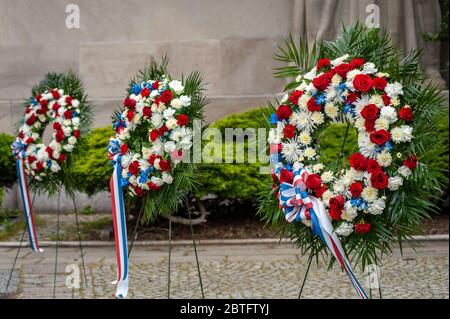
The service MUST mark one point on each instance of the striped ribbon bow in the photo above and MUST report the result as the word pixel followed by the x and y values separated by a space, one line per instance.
pixel 120 227
pixel 298 205
pixel 18 149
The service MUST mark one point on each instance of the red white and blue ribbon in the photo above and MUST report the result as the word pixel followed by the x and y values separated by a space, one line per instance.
pixel 120 227
pixel 298 205
pixel 19 152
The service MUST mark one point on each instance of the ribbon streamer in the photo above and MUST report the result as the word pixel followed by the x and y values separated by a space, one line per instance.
pixel 298 205
pixel 120 228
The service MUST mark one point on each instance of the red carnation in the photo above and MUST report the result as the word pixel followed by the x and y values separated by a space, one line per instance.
pixel 130 115
pixel 369 125
pixel 406 114
pixel 55 107
pixel 342 70
pixel 379 179
pixel 59 136
pixel 154 134
pixel 357 63
pixel 336 207
pixel 313 106
pixel 155 85
pixel 379 83
pixel 139 192
pixel 39 166
pixel 362 83
pixel 356 189
pixel 372 165
pixel 351 98
pixel 380 137
pixel 163 129
pixel 145 92
pixel 38 97
pixel 370 112
pixel 123 149
pixel 295 96
pixel 321 82
pixel 166 96
pixel 286 176
pixel 386 99
pixel 56 126
pixel 56 94
pixel 289 131
pixel 318 192
pixel 335 214
pixel 182 119
pixel 134 168
pixel 313 181
pixel 43 103
pixel 68 114
pixel 129 103
pixel 76 133
pixel 62 157
pixel 147 111
pixel 358 161
pixel 164 165
pixel 410 162
pixel 29 140
pixel 153 186
pixel 31 159
pixel 362 228
pixel 323 63
pixel 49 151
pixel 68 100
pixel 153 158
pixel 283 112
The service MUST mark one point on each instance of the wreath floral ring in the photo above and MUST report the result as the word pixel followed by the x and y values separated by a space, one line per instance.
pixel 157 108
pixel 51 106
pixel 353 197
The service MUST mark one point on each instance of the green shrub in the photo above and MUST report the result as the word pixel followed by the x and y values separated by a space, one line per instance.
pixel 7 163
pixel 92 169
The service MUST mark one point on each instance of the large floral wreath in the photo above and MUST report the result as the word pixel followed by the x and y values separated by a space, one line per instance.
pixel 384 192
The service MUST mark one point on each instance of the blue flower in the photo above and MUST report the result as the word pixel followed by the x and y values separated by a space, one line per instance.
pixel 124 182
pixel 288 167
pixel 347 108
pixel 33 101
pixel 342 87
pixel 136 89
pixel 273 118
pixel 320 99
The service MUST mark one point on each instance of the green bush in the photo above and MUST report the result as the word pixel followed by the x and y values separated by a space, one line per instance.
pixel 7 163
pixel 92 168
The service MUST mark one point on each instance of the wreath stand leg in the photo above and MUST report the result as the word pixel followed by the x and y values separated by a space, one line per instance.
pixel 310 258
pixel 79 242
pixel 57 244
pixel 19 248
pixel 195 251
pixel 170 255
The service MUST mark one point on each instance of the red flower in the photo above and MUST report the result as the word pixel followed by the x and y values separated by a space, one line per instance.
pixel 351 98
pixel 370 112
pixel 182 119
pixel 49 151
pixel 313 106
pixel 362 228
pixel 154 134
pixel 68 114
pixel 286 176
pixel 153 186
pixel 130 115
pixel 323 63
pixel 164 165
pixel 406 114
pixel 372 165
pixel 313 181
pixel 319 191
pixel 336 207
pixel 295 96
pixel 362 83
pixel 153 158
pixel 379 83
pixel 369 125
pixel 123 149
pixel 321 82
pixel 379 179
pixel 29 140
pixel 356 189
pixel 59 136
pixel 134 168
pixel 62 157
pixel 357 62
pixel 155 85
pixel 69 100
pixel 358 161
pixel 166 96
pixel 31 159
pixel 342 70
pixel 39 166
pixel 163 129
pixel 76 133
pixel 283 112
pixel 43 103
pixel 147 111
pixel 410 162
pixel 145 92
pixel 129 103
pixel 386 99
pixel 31 120
pixel 38 97
pixel 56 94
pixel 56 126
pixel 139 192
pixel 335 214
pixel 380 137
pixel 289 131
pixel 55 106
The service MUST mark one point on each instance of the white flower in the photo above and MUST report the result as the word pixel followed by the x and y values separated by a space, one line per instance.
pixel 384 158
pixel 369 194
pixel 331 110
pixel 344 229
pixel 349 212
pixel 361 102
pixel 326 196
pixel 366 147
pixel 72 140
pixel 169 146
pixel 168 113
pixel 143 164
pixel 157 147
pixel 154 94
pixel 395 182
pixel 75 103
pixel 377 206
pixel 317 118
pixel 377 100
pixel 393 89
pixel 369 68
pixel 156 180
pixel 305 138
pixel 303 101
pixel 339 60
pixel 177 86
pixel 327 176
pixel 55 167
pixel 401 134
pixel 309 152
pixel 389 112
pixel 404 171
pixel 172 123
pixel 336 79
pixel 291 151
pixel 382 124
pixel 311 74
pixel 318 167
pixel 176 103
pixel 68 147
pixel 167 178
pixel 185 100
pixel 339 186
pixel 156 120
pixel 76 121
pixel 146 152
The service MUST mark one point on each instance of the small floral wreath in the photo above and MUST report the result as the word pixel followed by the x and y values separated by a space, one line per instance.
pixel 152 134
pixel 353 88
pixel 61 110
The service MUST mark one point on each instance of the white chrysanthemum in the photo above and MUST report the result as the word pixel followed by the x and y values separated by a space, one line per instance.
pixel 357 175
pixel 157 147
pixel 172 123
pixel 318 167
pixel 309 152
pixel 339 60
pixel 72 140
pixel 395 102
pixel 326 196
pixel 394 89
pixel 304 121
pixel 369 194
pixel 404 171
pixel 168 113
pixel 395 182
pixel 327 176
pixel 311 74
pixel 305 138
pixel 177 86
pixel 185 100
pixel 317 118
pixel 366 147
pixel 349 213
pixel 344 229
pixel 157 120
pixel 339 186
pixel 146 152
pixel 166 178
pixel 377 100
pixel 401 134
pixel 382 124
pixel 377 207
pixel 303 101
pixel 169 146
pixel 336 80
pixel 292 151
pixel 360 124
pixel 389 113
pixel 143 164
pixel 384 158
pixel 331 110
pixel 369 68
pixel 330 93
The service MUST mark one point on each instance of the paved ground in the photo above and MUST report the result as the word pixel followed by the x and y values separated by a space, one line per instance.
pixel 229 271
